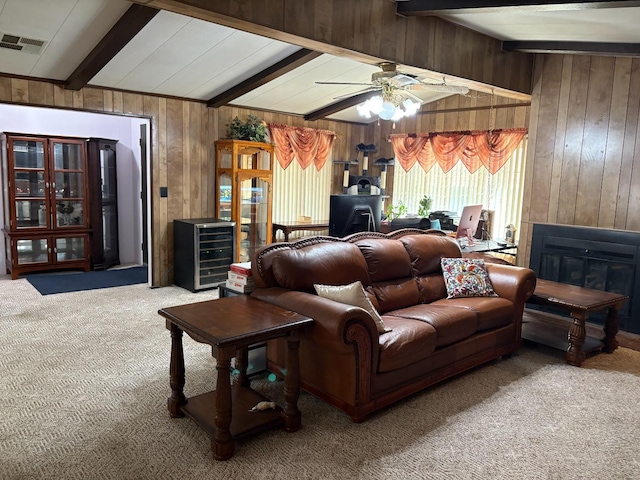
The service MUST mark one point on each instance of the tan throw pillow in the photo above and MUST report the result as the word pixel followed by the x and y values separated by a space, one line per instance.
pixel 466 277
pixel 352 294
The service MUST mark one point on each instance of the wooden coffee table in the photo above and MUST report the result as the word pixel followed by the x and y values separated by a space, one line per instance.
pixel 579 302
pixel 230 325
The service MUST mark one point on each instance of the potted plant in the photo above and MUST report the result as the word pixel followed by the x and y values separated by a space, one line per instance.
pixel 253 129
pixel 424 206
pixel 396 211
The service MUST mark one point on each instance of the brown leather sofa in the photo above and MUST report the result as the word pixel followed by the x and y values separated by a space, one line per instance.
pixel 343 358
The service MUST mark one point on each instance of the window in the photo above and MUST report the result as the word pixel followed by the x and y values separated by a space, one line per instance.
pixel 500 193
pixel 298 192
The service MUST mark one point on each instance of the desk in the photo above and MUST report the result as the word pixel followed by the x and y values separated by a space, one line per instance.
pixel 230 325
pixel 287 228
pixel 578 302
pixel 488 246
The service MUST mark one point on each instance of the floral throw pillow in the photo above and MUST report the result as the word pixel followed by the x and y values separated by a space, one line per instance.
pixel 466 277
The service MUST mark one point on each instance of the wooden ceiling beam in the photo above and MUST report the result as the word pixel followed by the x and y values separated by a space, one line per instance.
pixel 339 106
pixel 127 27
pixel 574 48
pixel 442 7
pixel 285 65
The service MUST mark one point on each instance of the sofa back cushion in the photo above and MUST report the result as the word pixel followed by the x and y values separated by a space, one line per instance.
pixel 386 259
pixel 425 252
pixel 389 268
pixel 334 263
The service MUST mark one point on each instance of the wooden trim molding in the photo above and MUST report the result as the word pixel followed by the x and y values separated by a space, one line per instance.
pixel 442 7
pixel 575 48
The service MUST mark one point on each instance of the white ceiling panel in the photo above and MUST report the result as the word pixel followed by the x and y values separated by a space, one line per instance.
pixel 71 27
pixel 215 79
pixel 186 46
pixel 35 18
pixel 71 44
pixel 155 34
pixel 297 91
pixel 600 25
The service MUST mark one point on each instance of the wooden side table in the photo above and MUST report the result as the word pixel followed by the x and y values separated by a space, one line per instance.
pixel 230 325
pixel 579 302
pixel 287 228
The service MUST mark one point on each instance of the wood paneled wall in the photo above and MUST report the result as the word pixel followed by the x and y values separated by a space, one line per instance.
pixel 182 148
pixel 370 31
pixel 583 165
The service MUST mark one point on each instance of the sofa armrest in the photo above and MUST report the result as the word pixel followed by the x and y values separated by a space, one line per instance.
pixel 513 283
pixel 331 319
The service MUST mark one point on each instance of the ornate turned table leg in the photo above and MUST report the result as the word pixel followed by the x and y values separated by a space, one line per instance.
pixel 222 444
pixel 176 372
pixel 577 333
pixel 242 360
pixel 292 416
pixel 611 325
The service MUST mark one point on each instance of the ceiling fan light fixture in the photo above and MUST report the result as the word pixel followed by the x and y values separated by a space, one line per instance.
pixel 410 107
pixel 375 104
pixel 388 111
pixel 389 108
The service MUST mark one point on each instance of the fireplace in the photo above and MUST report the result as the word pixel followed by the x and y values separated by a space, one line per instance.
pixel 591 257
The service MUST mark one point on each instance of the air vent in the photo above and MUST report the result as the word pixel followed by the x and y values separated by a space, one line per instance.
pixel 22 44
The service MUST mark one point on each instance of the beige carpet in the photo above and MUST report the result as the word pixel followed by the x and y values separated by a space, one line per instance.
pixel 84 382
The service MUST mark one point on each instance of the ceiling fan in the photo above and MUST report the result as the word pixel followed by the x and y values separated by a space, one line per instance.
pixel 390 79
pixel 396 98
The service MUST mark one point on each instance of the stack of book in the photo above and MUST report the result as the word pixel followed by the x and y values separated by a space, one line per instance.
pixel 239 278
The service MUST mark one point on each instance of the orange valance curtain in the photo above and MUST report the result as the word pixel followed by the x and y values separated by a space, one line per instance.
pixel 308 145
pixel 490 149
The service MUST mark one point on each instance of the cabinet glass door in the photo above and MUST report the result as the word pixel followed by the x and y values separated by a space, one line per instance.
pixel 69 184
pixel 32 251
pixel 29 184
pixel 224 200
pixel 69 249
pixel 252 158
pixel 254 206
pixel 28 154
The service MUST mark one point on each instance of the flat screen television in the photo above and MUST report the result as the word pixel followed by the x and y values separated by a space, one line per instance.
pixel 354 213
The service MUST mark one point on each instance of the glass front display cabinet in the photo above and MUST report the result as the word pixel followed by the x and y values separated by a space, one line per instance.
pixel 103 203
pixel 44 201
pixel 244 179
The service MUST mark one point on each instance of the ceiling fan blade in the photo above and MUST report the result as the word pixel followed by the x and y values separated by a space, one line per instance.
pixel 412 96
pixel 401 80
pixel 342 83
pixel 347 95
pixel 438 87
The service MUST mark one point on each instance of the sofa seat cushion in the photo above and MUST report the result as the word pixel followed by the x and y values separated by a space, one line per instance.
pixel 409 341
pixel 492 312
pixel 452 324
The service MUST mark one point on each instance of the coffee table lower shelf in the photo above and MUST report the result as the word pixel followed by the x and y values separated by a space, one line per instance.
pixel 202 410
pixel 555 336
